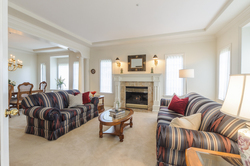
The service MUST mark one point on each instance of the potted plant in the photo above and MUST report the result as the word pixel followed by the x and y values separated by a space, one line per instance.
pixel 60 82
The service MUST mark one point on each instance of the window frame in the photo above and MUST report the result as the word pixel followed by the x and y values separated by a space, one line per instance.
pixel 229 46
pixel 165 74
pixel 41 70
pixel 74 74
pixel 111 76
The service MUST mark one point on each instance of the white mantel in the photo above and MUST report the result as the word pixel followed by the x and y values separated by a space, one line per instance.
pixel 155 78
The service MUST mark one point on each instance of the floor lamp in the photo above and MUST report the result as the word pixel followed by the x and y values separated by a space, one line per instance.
pixel 186 73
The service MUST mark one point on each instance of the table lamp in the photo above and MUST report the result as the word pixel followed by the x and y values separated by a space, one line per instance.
pixel 186 73
pixel 237 104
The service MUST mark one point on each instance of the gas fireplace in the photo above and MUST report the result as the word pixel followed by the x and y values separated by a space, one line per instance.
pixel 137 97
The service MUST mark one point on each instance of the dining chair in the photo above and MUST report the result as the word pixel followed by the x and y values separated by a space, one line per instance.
pixel 42 86
pixel 24 90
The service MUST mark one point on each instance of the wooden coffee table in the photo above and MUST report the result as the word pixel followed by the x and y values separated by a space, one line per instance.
pixel 204 157
pixel 117 125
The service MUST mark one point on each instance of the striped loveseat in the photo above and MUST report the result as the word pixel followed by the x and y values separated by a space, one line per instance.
pixel 218 131
pixel 48 114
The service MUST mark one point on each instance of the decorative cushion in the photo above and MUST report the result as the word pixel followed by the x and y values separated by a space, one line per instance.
pixel 85 98
pixel 178 105
pixel 75 100
pixel 76 93
pixel 191 122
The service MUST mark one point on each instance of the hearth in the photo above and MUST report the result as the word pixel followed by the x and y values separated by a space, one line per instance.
pixel 137 97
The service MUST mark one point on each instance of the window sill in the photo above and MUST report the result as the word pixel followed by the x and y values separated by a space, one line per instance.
pixel 106 92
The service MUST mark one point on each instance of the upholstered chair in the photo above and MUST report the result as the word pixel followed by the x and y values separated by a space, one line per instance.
pixel 42 86
pixel 24 90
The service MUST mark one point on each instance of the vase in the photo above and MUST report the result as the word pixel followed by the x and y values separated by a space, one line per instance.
pixel 244 145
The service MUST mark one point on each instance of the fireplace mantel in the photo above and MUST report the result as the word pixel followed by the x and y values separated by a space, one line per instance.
pixel 156 79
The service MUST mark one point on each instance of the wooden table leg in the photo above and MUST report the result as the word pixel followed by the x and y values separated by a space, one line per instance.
pixel 131 123
pixel 100 132
pixel 121 136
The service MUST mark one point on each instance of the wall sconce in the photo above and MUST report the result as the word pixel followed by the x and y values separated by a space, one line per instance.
pixel 155 58
pixel 117 60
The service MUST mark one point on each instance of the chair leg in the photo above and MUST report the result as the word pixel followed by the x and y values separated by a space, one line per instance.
pixel 18 109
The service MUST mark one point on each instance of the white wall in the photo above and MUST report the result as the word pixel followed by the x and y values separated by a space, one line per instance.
pixel 45 58
pixel 231 34
pixel 245 53
pixel 200 56
pixel 28 73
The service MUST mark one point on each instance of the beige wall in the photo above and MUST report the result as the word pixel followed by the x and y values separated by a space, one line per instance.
pixel 231 35
pixel 201 56
pixel 28 73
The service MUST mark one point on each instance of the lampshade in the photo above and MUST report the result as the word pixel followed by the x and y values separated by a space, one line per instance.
pixel 155 57
pixel 237 101
pixel 117 59
pixel 186 73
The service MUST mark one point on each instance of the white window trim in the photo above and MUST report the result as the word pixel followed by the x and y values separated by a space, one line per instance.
pixel 218 68
pixel 112 91
pixel 165 75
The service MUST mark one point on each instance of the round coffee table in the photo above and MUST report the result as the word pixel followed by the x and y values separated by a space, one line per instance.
pixel 117 125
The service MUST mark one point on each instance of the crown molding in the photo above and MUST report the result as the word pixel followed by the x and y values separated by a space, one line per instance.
pixel 20 49
pixel 218 14
pixel 239 21
pixel 180 37
pixel 50 49
pixel 33 15
pixel 34 30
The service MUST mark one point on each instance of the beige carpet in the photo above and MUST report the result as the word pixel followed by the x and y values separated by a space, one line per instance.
pixel 82 146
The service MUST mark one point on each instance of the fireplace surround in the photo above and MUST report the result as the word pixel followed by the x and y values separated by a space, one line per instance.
pixel 153 82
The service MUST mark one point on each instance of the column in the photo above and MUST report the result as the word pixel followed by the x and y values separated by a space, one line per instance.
pixel 87 70
pixel 117 80
pixel 156 97
pixel 81 74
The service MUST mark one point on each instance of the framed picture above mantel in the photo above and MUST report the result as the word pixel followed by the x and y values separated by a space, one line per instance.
pixel 137 62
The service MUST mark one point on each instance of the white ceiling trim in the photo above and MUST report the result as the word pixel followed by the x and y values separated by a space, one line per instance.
pixel 20 49
pixel 238 19
pixel 218 14
pixel 34 30
pixel 31 14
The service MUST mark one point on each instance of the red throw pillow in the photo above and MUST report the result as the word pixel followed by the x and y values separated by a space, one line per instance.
pixel 85 98
pixel 178 105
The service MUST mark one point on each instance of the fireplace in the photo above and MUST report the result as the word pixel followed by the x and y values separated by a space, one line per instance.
pixel 137 97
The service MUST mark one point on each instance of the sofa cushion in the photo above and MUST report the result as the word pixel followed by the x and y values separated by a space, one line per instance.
pixel 165 115
pixel 191 122
pixel 68 113
pixel 181 139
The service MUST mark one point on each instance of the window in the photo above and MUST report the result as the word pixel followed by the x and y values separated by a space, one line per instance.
pixel 43 72
pixel 63 72
pixel 224 72
pixel 75 75
pixel 106 76
pixel 174 84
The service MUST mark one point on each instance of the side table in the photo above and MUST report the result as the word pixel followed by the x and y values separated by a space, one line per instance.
pixel 101 104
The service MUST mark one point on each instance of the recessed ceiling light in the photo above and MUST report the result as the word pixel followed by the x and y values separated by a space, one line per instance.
pixel 137 4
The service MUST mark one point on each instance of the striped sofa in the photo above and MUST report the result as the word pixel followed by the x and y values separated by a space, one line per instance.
pixel 48 114
pixel 218 131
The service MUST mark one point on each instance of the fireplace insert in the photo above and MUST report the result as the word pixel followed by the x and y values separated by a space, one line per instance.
pixel 137 97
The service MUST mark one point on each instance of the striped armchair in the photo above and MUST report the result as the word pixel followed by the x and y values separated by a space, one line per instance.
pixel 48 114
pixel 218 131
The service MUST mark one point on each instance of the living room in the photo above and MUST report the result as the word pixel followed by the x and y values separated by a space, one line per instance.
pixel 122 49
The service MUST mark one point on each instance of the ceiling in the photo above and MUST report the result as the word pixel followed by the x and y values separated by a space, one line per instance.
pixel 98 21
pixel 26 42
pixel 106 20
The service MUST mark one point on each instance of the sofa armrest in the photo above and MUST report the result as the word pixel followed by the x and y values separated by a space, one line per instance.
pixel 165 102
pixel 43 113
pixel 95 100
pixel 181 139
